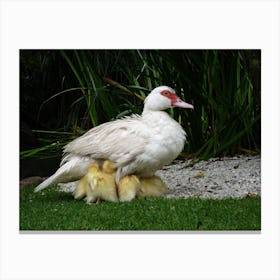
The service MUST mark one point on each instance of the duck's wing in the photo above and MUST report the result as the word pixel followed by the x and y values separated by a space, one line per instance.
pixel 120 141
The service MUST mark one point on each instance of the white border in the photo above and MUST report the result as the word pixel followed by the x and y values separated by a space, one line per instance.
pixel 135 24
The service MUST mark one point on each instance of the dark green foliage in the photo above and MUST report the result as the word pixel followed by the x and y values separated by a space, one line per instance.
pixel 66 91
pixel 54 210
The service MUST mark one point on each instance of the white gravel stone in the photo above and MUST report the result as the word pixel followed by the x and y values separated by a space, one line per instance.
pixel 237 176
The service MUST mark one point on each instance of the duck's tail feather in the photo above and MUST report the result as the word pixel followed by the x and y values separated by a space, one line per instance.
pixel 72 170
pixel 45 184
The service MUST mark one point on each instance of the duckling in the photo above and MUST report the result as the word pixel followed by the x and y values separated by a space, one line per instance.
pixel 82 186
pixel 102 183
pixel 128 187
pixel 80 190
pixel 98 183
pixel 152 186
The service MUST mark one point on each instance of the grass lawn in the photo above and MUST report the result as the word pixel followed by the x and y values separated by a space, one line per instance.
pixel 51 209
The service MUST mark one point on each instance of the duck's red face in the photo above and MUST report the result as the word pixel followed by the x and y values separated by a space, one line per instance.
pixel 175 100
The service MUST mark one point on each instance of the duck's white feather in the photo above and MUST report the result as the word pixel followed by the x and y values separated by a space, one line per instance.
pixel 72 170
pixel 120 141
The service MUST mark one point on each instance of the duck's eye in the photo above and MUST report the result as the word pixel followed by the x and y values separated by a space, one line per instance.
pixel 165 93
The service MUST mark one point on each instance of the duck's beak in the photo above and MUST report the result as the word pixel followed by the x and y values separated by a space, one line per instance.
pixel 180 103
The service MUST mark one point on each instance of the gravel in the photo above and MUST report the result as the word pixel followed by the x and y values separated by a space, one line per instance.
pixel 238 176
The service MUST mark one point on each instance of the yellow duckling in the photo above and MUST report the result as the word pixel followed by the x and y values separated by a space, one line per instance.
pixel 98 183
pixel 128 187
pixel 152 186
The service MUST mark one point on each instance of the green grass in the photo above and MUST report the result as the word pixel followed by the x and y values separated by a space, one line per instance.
pixel 55 210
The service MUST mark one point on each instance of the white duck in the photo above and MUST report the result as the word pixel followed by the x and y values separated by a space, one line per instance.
pixel 137 144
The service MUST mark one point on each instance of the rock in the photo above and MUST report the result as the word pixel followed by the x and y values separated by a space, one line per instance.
pixel 30 180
